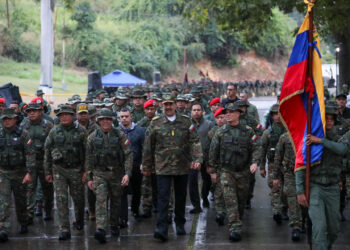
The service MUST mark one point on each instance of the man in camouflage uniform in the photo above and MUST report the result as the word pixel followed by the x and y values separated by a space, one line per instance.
pixel 181 102
pixel 121 101
pixel 38 129
pixel 64 166
pixel 232 149
pixel 269 141
pixel 107 152
pixel 172 147
pixel 251 110
pixel 16 165
pixel 138 99
pixel 214 105
pixel 284 170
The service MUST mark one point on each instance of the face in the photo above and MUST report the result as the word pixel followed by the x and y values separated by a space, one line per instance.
pixel 101 96
pixel 215 107
pixel 232 116
pixel 341 102
pixel 329 121
pixel 169 108
pixel 276 118
pixel 181 104
pixel 150 112
pixel 2 106
pixel 196 112
pixel 34 114
pixel 83 117
pixel 15 107
pixel 244 97
pixel 188 105
pixel 231 91
pixel 66 119
pixel 220 120
pixel 120 102
pixel 138 101
pixel 125 118
pixel 9 122
pixel 105 124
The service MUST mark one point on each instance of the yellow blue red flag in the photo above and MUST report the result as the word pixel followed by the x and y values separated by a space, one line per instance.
pixel 296 88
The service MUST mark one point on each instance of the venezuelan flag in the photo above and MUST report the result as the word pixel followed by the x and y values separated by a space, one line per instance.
pixel 296 87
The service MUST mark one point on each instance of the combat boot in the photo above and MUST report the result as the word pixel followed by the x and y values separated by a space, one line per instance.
pixel 64 236
pixel 220 219
pixel 78 225
pixel 3 237
pixel 23 229
pixel 284 215
pixel 115 231
pixel 100 235
pixel 161 235
pixel 206 202
pixel 296 234
pixel 234 236
pixel 277 217
pixel 147 214
pixel 180 230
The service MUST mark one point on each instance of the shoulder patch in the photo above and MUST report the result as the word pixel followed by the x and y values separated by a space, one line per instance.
pixel 254 138
pixel 155 118
pixel 185 116
pixel 191 128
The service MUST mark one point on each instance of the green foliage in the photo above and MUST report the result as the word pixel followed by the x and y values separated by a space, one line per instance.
pixel 84 17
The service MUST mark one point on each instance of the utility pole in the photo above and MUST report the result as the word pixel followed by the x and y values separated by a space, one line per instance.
pixel 8 13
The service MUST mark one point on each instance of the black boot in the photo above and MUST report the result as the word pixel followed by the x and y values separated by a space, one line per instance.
pixel 3 237
pixel 64 236
pixel 206 203
pixel 123 223
pixel 234 236
pixel 147 214
pixel 47 216
pixel 115 231
pixel 278 218
pixel 248 205
pixel 161 235
pixel 284 215
pixel 78 225
pixel 196 210
pixel 23 229
pixel 296 235
pixel 100 235
pixel 220 219
pixel 180 230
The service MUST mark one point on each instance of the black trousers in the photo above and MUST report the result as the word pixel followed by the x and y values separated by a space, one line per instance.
pixel 180 189
pixel 135 184
pixel 193 186
pixel 124 205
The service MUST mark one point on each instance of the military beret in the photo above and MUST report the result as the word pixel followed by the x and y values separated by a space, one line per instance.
pixel 214 101
pixel 218 112
pixel 150 103
pixel 37 100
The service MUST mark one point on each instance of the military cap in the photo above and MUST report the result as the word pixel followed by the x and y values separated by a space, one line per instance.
pixel 332 103
pixel 241 103
pixel 137 93
pixel 8 113
pixel 92 110
pixel 58 108
pixel 195 90
pixel 76 97
pixel 121 95
pixel 39 92
pixel 108 102
pixel 98 103
pixel 330 110
pixel 65 109
pixel 168 98
pixel 82 107
pixel 231 106
pixel 100 91
pixel 105 113
pixel 33 106
pixel 190 97
pixel 37 100
pixel 181 97
pixel 341 95
pixel 156 97
pixel 274 108
pixel 22 106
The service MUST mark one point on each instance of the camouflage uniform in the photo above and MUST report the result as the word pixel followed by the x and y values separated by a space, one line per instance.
pixel 16 159
pixel 38 131
pixel 284 169
pixel 269 141
pixel 137 114
pixel 107 154
pixel 232 149
pixel 64 160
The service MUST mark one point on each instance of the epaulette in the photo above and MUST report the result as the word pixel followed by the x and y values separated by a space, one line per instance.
pixel 155 118
pixel 186 116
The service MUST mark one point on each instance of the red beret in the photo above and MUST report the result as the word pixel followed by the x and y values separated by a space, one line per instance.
pixel 214 101
pixel 37 100
pixel 218 112
pixel 150 103
pixel 2 100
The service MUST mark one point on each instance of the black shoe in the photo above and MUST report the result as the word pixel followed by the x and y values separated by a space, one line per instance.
pixel 278 218
pixel 123 223
pixel 296 235
pixel 39 210
pixel 206 203
pixel 30 221
pixel 285 216
pixel 160 235
pixel 3 237
pixel 196 210
pixel 78 226
pixel 115 231
pixel 147 214
pixel 235 237
pixel 180 230
pixel 47 216
pixel 64 236
pixel 220 219
pixel 23 229
pixel 100 235
pixel 248 205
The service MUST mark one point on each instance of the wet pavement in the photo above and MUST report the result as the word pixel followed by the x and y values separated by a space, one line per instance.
pixel 259 229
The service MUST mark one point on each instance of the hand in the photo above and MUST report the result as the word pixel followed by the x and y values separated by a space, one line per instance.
pixel 213 178
pixel 125 181
pixel 302 200
pixel 84 178
pixel 263 173
pixel 48 178
pixel 276 183
pixel 91 185
pixel 209 170
pixel 27 179
pixel 197 166
pixel 146 173
pixel 310 139
pixel 253 168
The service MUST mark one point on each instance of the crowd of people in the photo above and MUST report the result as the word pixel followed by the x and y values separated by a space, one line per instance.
pixel 152 143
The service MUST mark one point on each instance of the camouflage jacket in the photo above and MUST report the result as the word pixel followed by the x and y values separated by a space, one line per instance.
pixel 269 141
pixel 38 132
pixel 108 152
pixel 171 146
pixel 144 123
pixel 137 114
pixel 250 121
pixel 65 148
pixel 253 111
pixel 233 148
pixel 284 157
pixel 91 127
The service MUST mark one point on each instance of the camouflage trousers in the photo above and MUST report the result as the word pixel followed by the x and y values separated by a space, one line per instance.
pixel 236 189
pixel 11 180
pixel 219 197
pixel 251 186
pixel 47 189
pixel 275 193
pixel 107 186
pixel 64 179
pixel 289 190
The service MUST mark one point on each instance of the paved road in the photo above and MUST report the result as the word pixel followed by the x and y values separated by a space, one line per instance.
pixel 260 231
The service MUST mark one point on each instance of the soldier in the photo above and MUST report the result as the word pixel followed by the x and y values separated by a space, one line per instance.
pixel 107 152
pixel 138 99
pixel 100 94
pixel 38 129
pixel 121 101
pixel 181 102
pixel 15 106
pixel 231 95
pixel 284 163
pixel 214 105
pixel 251 110
pixel 40 93
pixel 231 150
pixel 64 166
pixel 269 141
pixel 2 104
pixel 170 141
